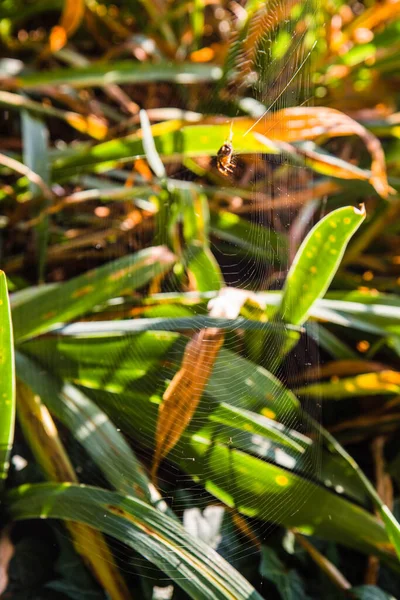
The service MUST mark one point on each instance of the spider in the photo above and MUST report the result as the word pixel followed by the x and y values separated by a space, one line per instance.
pixel 225 159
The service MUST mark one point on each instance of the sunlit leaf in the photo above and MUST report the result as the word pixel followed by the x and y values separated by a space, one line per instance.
pixel 193 565
pixel 99 75
pixel 7 380
pixel 316 262
pixel 42 436
pixel 82 293
pixel 368 384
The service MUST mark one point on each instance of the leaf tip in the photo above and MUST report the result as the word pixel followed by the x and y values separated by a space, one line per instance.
pixel 360 210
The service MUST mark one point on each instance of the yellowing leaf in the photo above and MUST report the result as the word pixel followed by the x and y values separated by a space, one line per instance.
pixel 304 123
pixel 41 433
pixel 70 20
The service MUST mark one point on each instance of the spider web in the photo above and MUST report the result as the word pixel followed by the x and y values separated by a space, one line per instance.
pixel 272 65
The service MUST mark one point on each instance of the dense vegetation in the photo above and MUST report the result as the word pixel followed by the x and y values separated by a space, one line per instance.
pixel 200 346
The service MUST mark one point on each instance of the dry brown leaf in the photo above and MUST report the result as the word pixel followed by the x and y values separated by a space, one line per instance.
pixel 183 394
pixel 374 16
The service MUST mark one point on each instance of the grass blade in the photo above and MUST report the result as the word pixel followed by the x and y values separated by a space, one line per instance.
pixel 7 380
pixel 100 75
pixel 92 429
pixel 35 153
pixel 81 294
pixel 195 567
pixel 42 436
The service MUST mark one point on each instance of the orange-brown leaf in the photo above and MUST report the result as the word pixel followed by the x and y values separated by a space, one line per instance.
pixel 304 123
pixel 183 394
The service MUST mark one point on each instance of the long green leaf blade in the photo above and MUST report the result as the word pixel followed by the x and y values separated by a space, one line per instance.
pixel 81 294
pixel 7 380
pixel 92 429
pixel 195 567
pixel 100 75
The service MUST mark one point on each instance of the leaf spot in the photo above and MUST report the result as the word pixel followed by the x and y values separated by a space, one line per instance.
pixel 281 480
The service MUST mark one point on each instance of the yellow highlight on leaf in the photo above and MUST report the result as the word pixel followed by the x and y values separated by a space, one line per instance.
pixel 267 412
pixel 92 125
pixel 281 480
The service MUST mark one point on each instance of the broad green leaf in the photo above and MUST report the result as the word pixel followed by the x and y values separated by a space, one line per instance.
pixel 92 429
pixel 370 592
pixel 316 263
pixel 79 295
pixel 149 360
pixel 256 487
pixel 204 269
pixel 240 418
pixel 195 567
pixel 7 380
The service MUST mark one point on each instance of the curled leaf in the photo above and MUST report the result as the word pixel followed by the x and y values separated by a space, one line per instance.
pixel 304 123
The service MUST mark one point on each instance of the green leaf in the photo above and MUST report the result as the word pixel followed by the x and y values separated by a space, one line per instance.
pixel 35 154
pixel 117 363
pixel 171 139
pixel 149 147
pixel 170 324
pixel 91 428
pixel 254 240
pixel 103 74
pixel 208 453
pixel 370 592
pixel 7 380
pixel 316 263
pixel 200 571
pixel 79 295
pixel 366 384
pixel 240 418
pixel 391 524
pixel 287 581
